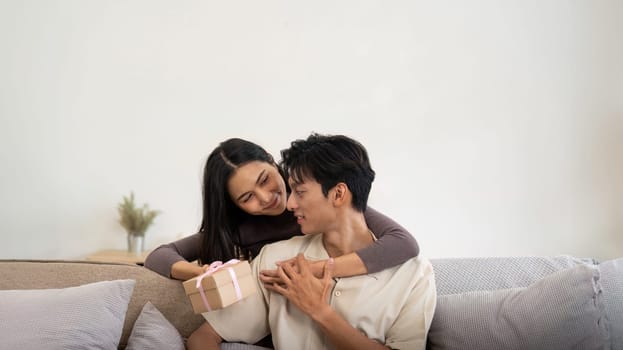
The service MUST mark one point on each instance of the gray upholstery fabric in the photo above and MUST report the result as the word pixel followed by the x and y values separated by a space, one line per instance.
pixel 454 275
pixel 84 317
pixel 239 346
pixel 166 294
pixel 460 275
pixel 564 310
pixel 153 331
pixel 612 285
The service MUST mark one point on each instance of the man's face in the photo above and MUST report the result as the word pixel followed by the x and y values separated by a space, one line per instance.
pixel 314 212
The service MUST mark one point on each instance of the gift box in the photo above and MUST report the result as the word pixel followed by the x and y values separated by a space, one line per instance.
pixel 222 285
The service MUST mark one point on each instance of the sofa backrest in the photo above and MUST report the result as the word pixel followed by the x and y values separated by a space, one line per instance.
pixel 167 295
pixel 461 275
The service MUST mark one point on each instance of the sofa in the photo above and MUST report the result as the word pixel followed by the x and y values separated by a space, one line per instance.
pixel 558 302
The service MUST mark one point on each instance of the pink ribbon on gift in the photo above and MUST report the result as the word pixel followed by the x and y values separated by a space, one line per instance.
pixel 215 266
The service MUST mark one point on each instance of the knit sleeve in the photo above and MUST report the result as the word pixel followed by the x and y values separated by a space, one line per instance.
pixel 162 258
pixel 394 246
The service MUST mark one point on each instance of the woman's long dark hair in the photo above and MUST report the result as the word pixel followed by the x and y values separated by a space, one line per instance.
pixel 220 236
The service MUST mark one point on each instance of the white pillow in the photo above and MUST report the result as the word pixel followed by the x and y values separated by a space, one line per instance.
pixel 85 317
pixel 153 331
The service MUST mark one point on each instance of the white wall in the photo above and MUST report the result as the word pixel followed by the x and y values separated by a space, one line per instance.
pixel 495 127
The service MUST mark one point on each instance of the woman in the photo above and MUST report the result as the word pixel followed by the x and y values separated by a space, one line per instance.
pixel 244 208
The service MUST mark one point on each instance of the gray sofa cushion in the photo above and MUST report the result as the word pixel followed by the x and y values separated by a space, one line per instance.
pixel 166 294
pixel 153 331
pixel 240 346
pixel 84 317
pixel 612 284
pixel 564 310
pixel 461 275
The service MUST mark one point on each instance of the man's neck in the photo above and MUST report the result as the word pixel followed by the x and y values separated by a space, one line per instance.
pixel 350 234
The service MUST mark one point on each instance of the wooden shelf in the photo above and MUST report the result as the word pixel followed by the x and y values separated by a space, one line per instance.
pixel 118 256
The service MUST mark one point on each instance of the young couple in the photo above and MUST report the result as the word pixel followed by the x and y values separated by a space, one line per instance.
pixel 329 177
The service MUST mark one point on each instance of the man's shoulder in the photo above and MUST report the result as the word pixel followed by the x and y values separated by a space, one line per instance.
pixel 416 267
pixel 419 263
pixel 295 243
pixel 283 250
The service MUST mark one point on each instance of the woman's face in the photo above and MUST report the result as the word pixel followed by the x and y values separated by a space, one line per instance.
pixel 258 188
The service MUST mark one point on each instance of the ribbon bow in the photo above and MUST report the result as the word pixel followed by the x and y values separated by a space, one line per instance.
pixel 215 266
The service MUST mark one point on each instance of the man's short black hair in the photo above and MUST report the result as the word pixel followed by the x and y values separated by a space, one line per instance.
pixel 329 160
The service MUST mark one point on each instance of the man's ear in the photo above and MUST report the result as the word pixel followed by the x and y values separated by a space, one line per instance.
pixel 340 193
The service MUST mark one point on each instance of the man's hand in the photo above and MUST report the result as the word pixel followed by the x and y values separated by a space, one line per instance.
pixel 297 283
pixel 272 276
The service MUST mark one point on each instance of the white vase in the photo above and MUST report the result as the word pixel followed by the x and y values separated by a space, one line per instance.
pixel 136 244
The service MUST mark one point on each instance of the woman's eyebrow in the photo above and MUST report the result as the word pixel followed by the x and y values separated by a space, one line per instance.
pixel 259 178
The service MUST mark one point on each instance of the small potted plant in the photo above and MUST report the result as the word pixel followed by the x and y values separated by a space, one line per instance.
pixel 135 220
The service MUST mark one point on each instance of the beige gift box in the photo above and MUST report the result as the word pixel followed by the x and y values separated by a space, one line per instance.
pixel 219 287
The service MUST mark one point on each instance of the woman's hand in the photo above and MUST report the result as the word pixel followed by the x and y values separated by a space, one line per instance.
pixel 297 283
pixel 183 270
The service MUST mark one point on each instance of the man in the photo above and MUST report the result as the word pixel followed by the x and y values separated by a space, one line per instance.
pixel 330 178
